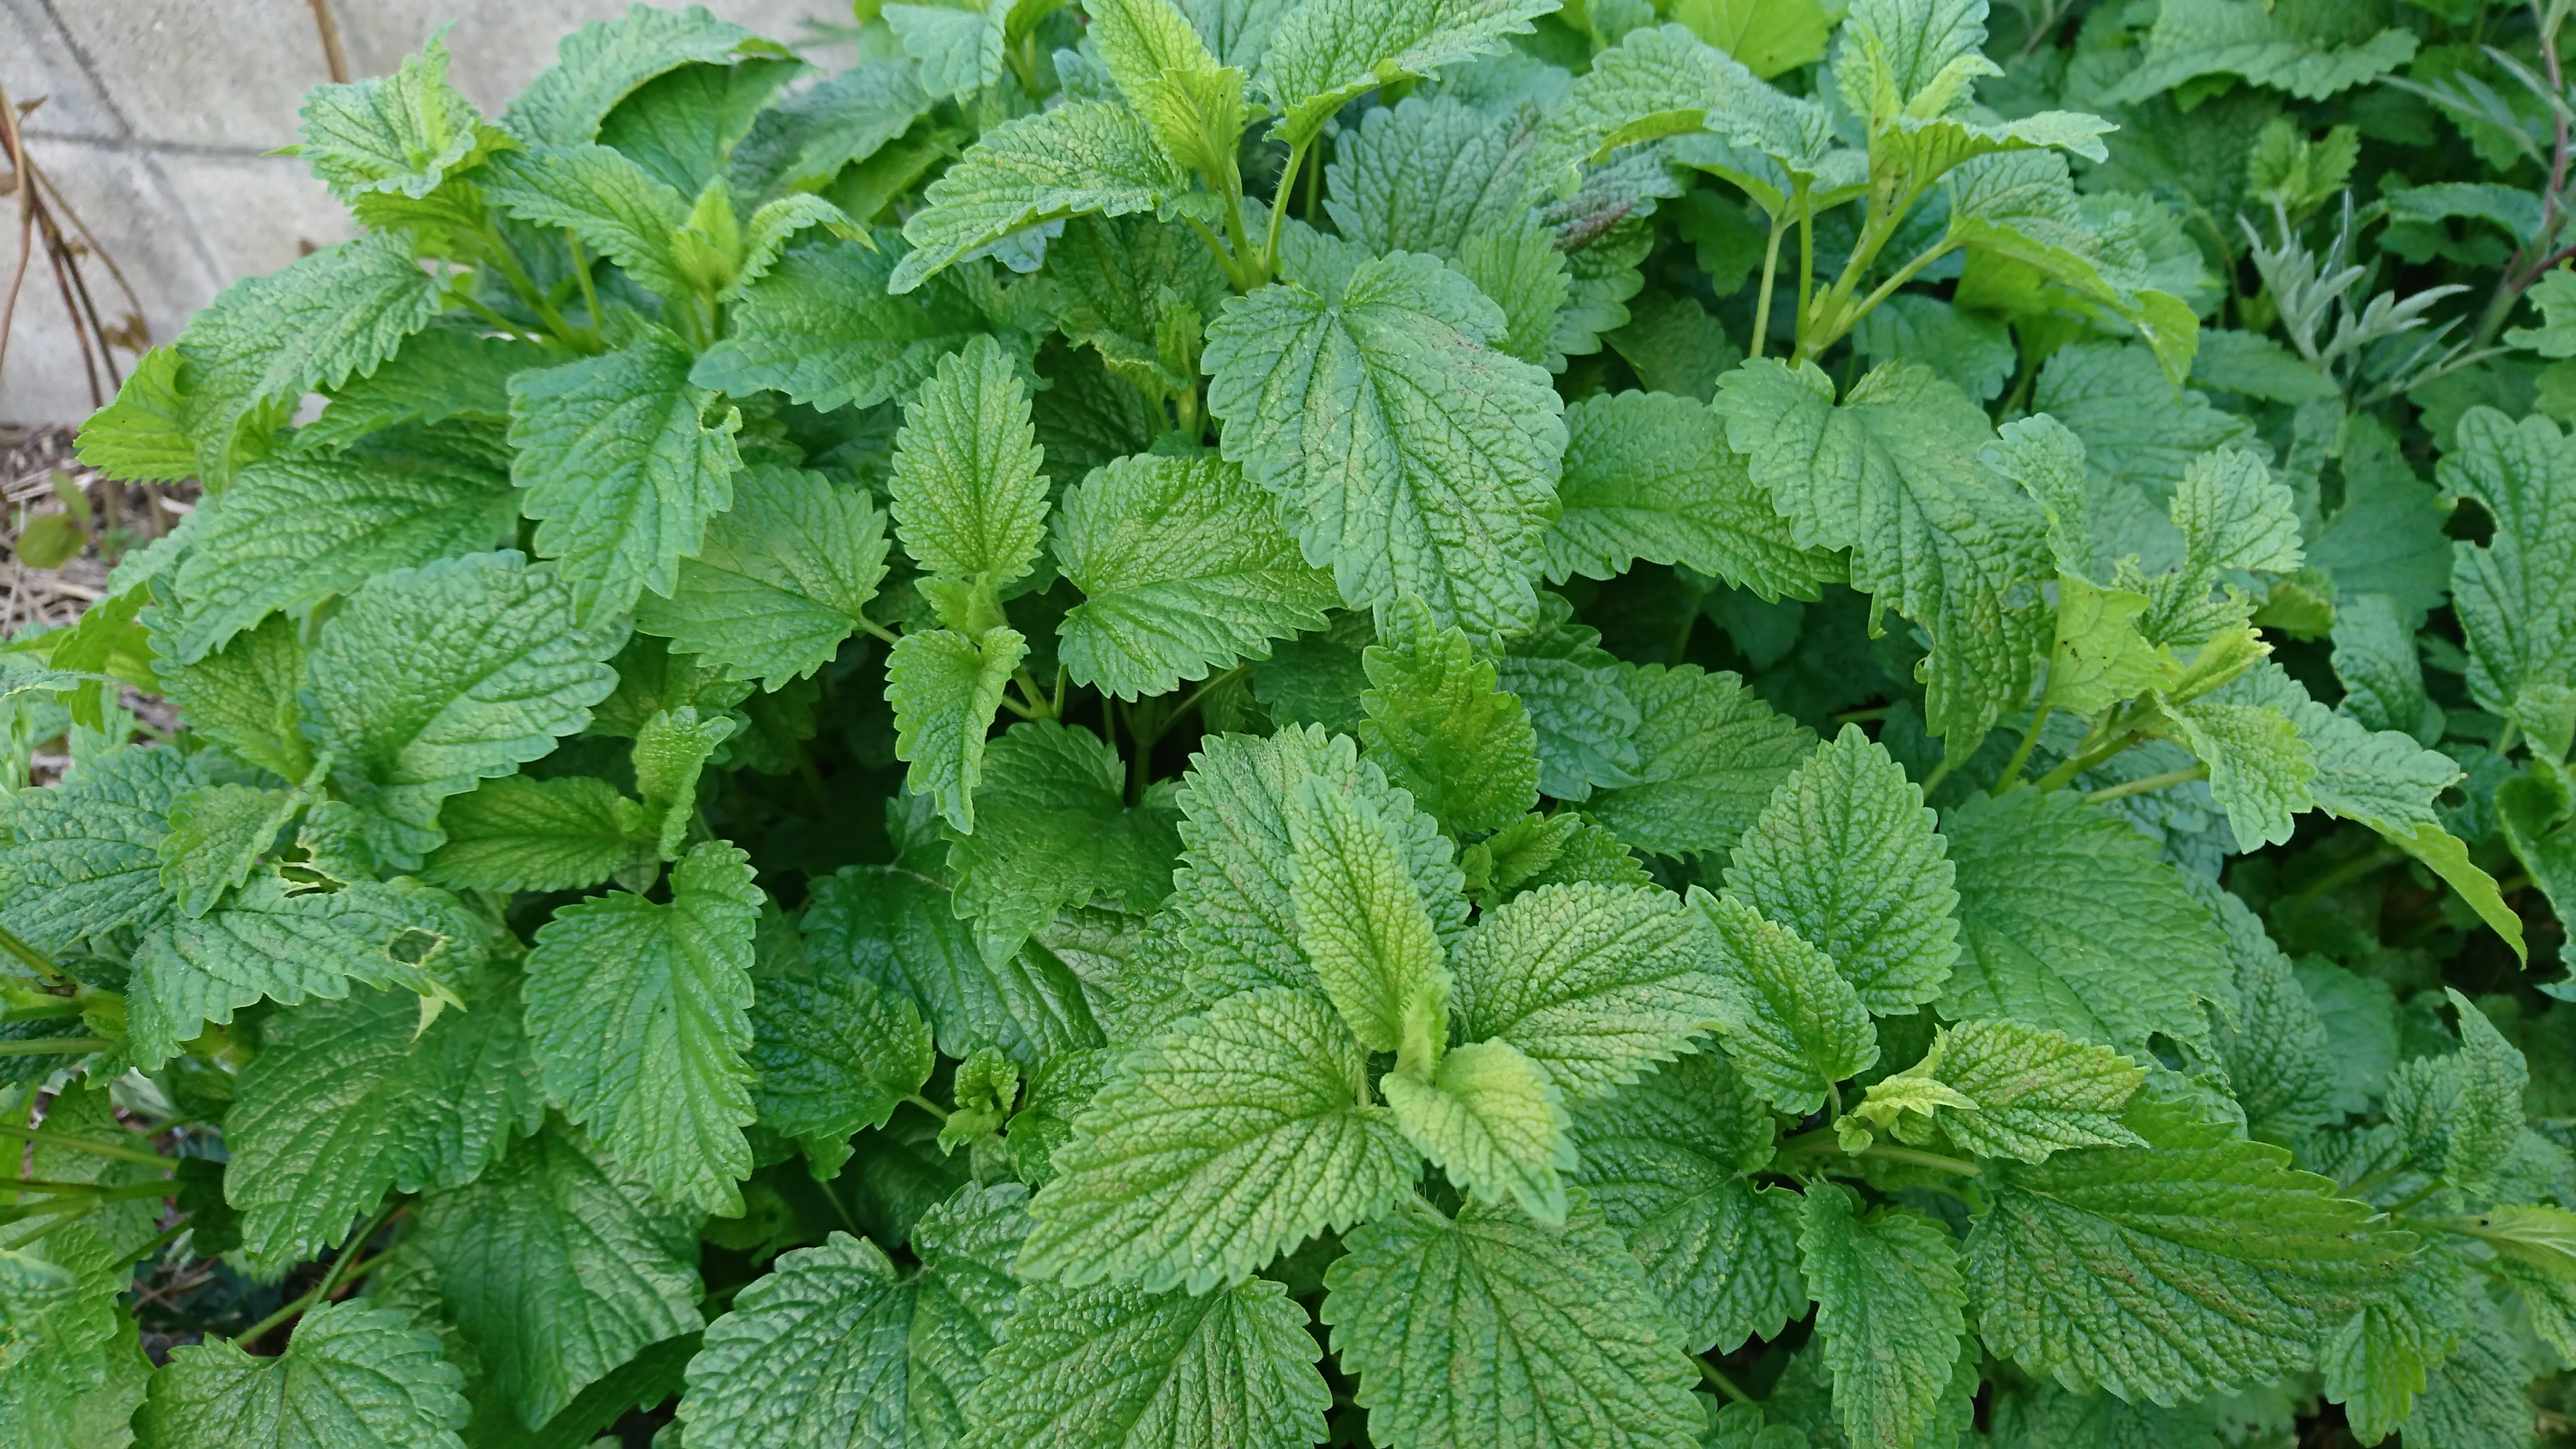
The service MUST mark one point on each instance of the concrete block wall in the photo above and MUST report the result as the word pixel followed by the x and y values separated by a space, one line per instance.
pixel 156 118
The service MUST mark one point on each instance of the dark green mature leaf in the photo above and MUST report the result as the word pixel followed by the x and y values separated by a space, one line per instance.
pixel 1888 1307
pixel 1710 754
pixel 780 580
pixel 946 687
pixel 350 1375
pixel 1591 981
pixel 821 328
pixel 1322 55
pixel 605 61
pixel 521 833
pixel 1647 476
pixel 1088 156
pixel 1052 829
pixel 833 1053
pixel 85 857
pixel 899 930
pixel 1487 1328
pixel 2517 595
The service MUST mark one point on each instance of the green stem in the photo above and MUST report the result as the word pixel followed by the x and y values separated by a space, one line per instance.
pixel 589 291
pixel 36 960
pixel 1721 1382
pixel 927 1105
pixel 1225 260
pixel 1823 1142
pixel 2412 1198
pixel 347 1267
pixel 2376 858
pixel 1035 695
pixel 2056 779
pixel 1762 303
pixel 84 1144
pixel 2152 782
pixel 1279 203
pixel 2021 756
pixel 879 631
pixel 1806 267
pixel 1887 289
pixel 1190 701
pixel 163 1239
pixel 49 1011
pixel 55 1046
pixel 1940 772
pixel 501 324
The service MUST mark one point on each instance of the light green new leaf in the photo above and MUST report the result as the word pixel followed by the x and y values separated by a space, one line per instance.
pixel 821 328
pixel 518 833
pixel 1791 1024
pixel 2099 658
pixel 1435 719
pixel 1647 476
pixel 1661 81
pixel 1489 1329
pixel 1164 69
pixel 1411 458
pixel 833 1053
pixel 559 1268
pixel 142 435
pixel 401 133
pixel 2036 1091
pixel 1084 156
pixel 2233 515
pixel 347 1098
pixel 217 834
pixel 779 581
pixel 2516 596
pixel 1666 1158
pixel 2460 1114
pixel 2071 923
pixel 2196 38
pixel 1888 1307
pixel 1710 754
pixel 351 1375
pixel 1893 473
pixel 616 207
pixel 606 61
pixel 1183 567
pixel 2172 1271
pixel 638 1014
pixel 435 678
pixel 1769 36
pixel 1234 895
pixel 671 750
pixel 968 500
pixel 1324 54
pixel 1052 829
pixel 945 689
pixel 838 1346
pixel 899 930
pixel 1592 982
pixel 1846 855
pixel 2376 1363
pixel 85 855
pixel 1238 1135
pixel 1108 1365
pixel 620 469
pixel 2260 767
pixel 1360 925
pixel 1492 1121
pixel 290 530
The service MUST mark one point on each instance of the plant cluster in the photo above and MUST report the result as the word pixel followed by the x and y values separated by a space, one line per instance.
pixel 1404 722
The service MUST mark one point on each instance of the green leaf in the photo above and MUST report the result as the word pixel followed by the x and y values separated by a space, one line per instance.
pixel 638 1014
pixel 244 695
pixel 671 752
pixel 1410 458
pixel 350 1375
pixel 1463 748
pixel 2196 38
pixel 1322 55
pixel 2036 1091
pixel 837 1346
pixel 217 834
pixel 2376 662
pixel 1215 1148
pixel 1972 351
pixel 2460 1114
pixel 1846 855
pixel 1791 1024
pixel 1084 156
pixel 1888 1307
pixel 1159 63
pixel 2233 515
pixel 2516 596
pixel 1647 477
pixel 821 328
pixel 1359 923
pixel 1490 1329
pixel 2170 1271
pixel 615 207
pixel 605 61
pixel 2139 434
pixel 1893 473
pixel 969 502
pixel 2099 658
pixel 142 436
pixel 619 468
pixel 1235 892
pixel 833 1054
pixel 2477 1399
pixel 780 581
pixel 1112 1365
pixel 401 133
pixel 290 530
pixel 898 930
pixel 945 689
pixel 286 943
pixel 1183 567
pixel 2279 1057
pixel 1492 1121
pixel 2072 924
pixel 439 376
pixel 438 677
pixel 803 141
pixel 519 833
pixel 1052 829
pixel 1710 754
pixel 2377 1362
pixel 1769 36
pixel 1424 174
pixel 347 1098
pixel 1660 80
pixel 1593 982
pixel 558 1269
pixel 330 315
pixel 959 51
pixel 2260 767
pixel 1578 702
pixel 1666 1159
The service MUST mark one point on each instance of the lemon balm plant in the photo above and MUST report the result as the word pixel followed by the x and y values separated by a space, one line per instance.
pixel 1266 722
